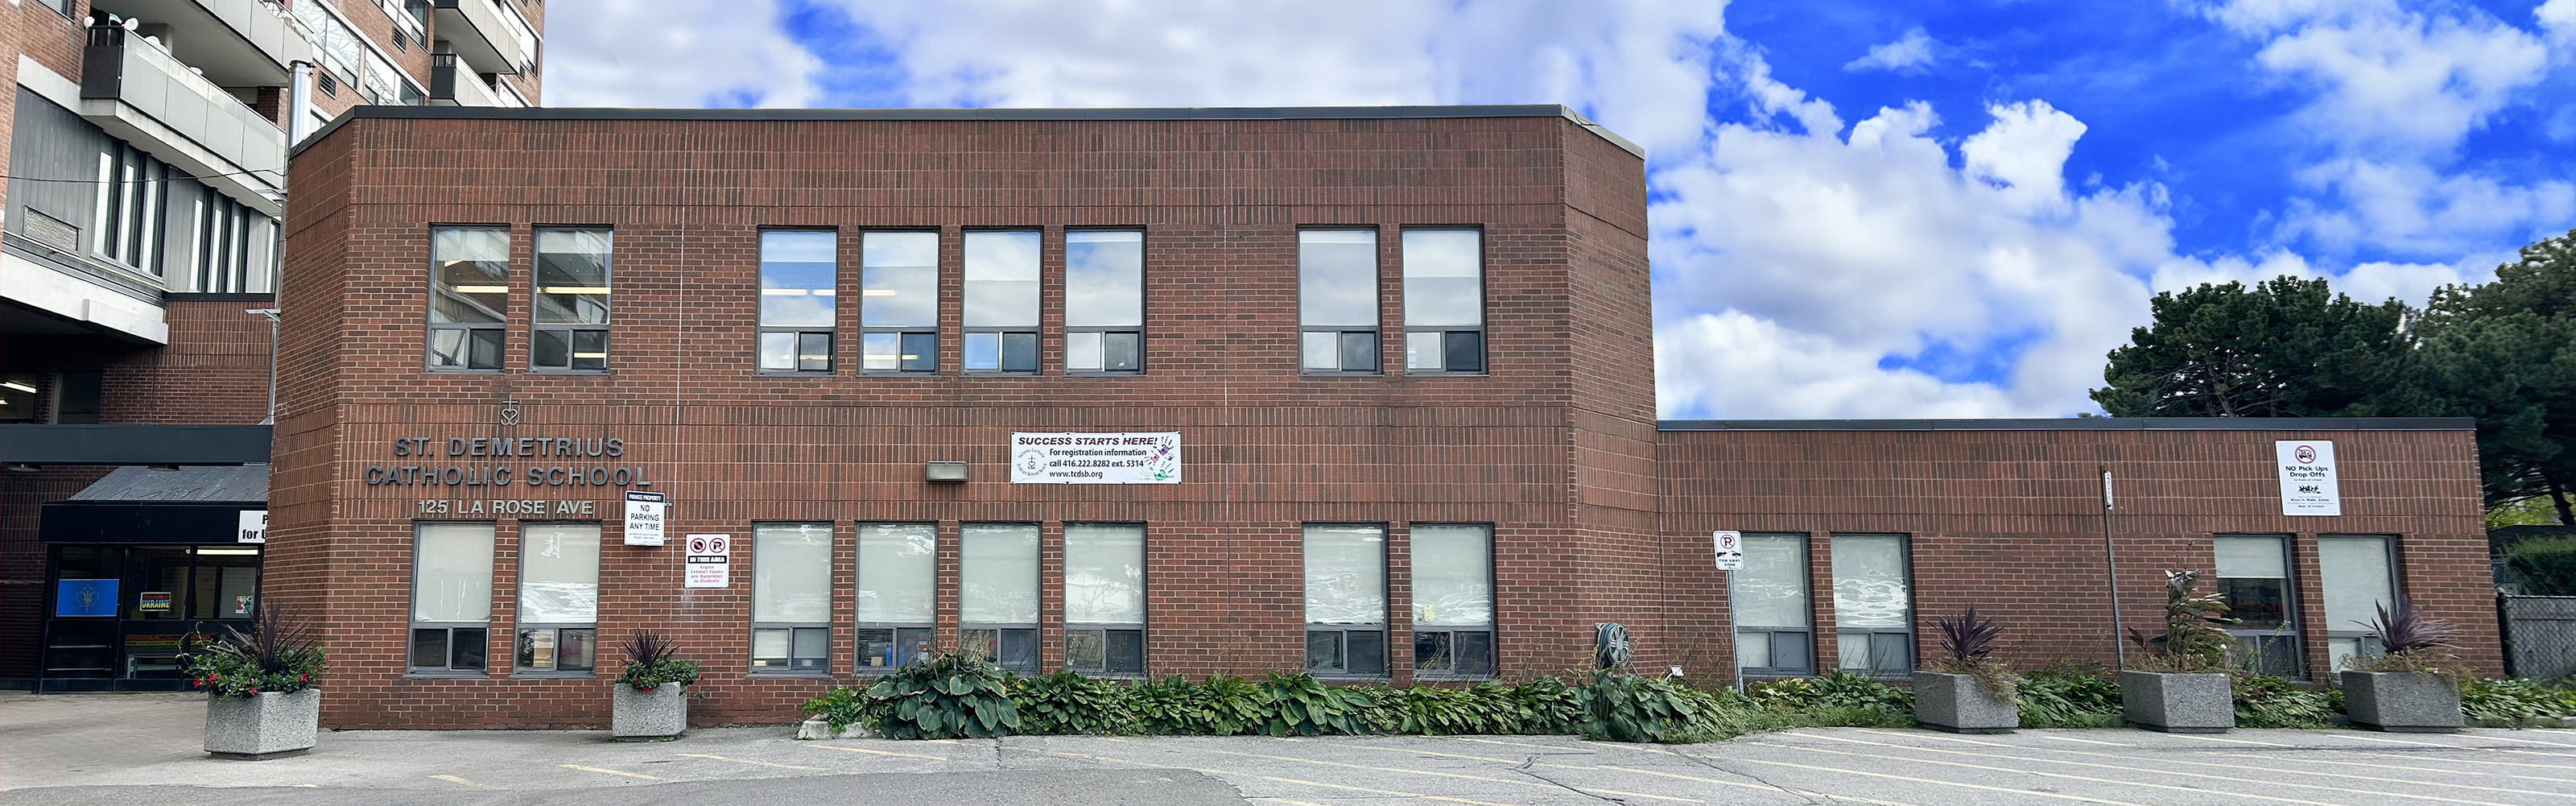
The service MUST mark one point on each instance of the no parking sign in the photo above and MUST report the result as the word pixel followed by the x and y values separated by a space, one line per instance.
pixel 1730 550
pixel 710 562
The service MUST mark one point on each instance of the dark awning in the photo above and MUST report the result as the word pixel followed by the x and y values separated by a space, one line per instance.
pixel 141 505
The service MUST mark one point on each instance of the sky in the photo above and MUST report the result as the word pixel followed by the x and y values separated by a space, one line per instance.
pixel 1858 209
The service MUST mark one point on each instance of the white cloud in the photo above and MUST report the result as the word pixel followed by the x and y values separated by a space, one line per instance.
pixel 1732 365
pixel 1908 54
pixel 643 53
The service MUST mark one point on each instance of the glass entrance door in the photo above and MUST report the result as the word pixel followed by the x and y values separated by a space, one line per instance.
pixel 121 615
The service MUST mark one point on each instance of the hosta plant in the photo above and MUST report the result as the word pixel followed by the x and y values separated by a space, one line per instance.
pixel 946 697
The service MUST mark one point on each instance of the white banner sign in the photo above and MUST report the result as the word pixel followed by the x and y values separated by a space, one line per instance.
pixel 2308 478
pixel 1730 551
pixel 644 519
pixel 710 562
pixel 1096 458
pixel 254 527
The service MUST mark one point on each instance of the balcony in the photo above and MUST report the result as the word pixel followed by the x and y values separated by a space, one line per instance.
pixel 239 43
pixel 143 96
pixel 452 85
pixel 488 34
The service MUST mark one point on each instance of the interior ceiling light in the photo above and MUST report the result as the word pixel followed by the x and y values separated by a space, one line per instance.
pixel 19 386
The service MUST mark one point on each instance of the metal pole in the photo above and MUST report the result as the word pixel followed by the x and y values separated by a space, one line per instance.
pixel 299 105
pixel 2111 570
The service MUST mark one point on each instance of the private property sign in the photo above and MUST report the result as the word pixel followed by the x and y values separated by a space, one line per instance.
pixel 1153 458
pixel 2307 477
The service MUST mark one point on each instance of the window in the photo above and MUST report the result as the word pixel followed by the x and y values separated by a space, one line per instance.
pixel 791 597
pixel 897 565
pixel 1774 635
pixel 130 185
pixel 569 323
pixel 1001 302
pixel 997 596
pixel 451 596
pixel 1444 301
pixel 18 396
pixel 798 284
pixel 899 302
pixel 558 596
pixel 2358 578
pixel 1453 601
pixel 1104 302
pixel 1104 598
pixel 232 248
pixel 79 396
pixel 2254 575
pixel 469 296
pixel 1337 300
pixel 1346 600
pixel 1873 605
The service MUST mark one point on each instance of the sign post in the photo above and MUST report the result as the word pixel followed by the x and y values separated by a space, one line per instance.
pixel 1730 559
pixel 709 563
pixel 644 518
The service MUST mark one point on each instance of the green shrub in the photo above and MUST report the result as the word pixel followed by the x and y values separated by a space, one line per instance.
pixel 2065 695
pixel 843 706
pixel 1837 689
pixel 650 663
pixel 1212 707
pixel 2545 566
pixel 1623 707
pixel 279 655
pixel 946 697
pixel 2272 702
pixel 1300 705
pixel 1066 702
pixel 2515 699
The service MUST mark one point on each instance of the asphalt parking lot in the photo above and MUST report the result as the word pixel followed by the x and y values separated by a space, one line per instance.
pixel 123 748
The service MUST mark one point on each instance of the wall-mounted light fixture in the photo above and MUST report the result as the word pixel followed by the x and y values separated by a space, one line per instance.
pixel 945 471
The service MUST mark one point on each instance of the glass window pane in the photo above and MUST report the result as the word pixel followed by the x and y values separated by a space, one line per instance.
pixel 1126 651
pixel 1020 352
pixel 470 270
pixel 1082 351
pixel 469 648
pixel 797 278
pixel 1323 350
pixel 1466 351
pixel 1324 651
pixel 1359 352
pixel 577 650
pixel 1337 278
pixel 920 352
pixel 1852 651
pixel 778 351
pixel 899 277
pixel 1771 590
pixel 452 572
pixel 2251 556
pixel 1104 573
pixel 880 351
pixel 1793 650
pixel 486 349
pixel 791 579
pixel 1891 653
pixel 1431 652
pixel 1443 279
pixel 813 648
pixel 814 351
pixel 558 573
pixel 1753 650
pixel 997 575
pixel 572 277
pixel 1453 572
pixel 912 643
pixel 1104 279
pixel 976 643
pixel 1121 352
pixel 1870 586
pixel 550 348
pixel 2356 580
pixel 875 648
pixel 429 647
pixel 1001 279
pixel 1424 350
pixel 1086 650
pixel 981 351
pixel 2256 603
pixel 1019 650
pixel 1345 574
pixel 446 348
pixel 590 349
pixel 896 566
pixel 537 648
pixel 769 647
pixel 1365 652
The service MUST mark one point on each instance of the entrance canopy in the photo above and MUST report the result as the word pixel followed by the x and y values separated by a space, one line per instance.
pixel 142 505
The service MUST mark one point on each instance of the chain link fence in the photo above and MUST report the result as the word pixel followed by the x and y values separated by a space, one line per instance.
pixel 2539 635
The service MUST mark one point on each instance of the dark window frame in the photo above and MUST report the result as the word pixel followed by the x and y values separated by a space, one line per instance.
pixel 1005 634
pixel 1491 629
pixel 1144 275
pixel 450 630
pixel 909 641
pixel 1453 337
pixel 1771 635
pixel 1144 657
pixel 1342 634
pixel 830 334
pixel 1347 338
pixel 2255 645
pixel 1912 649
pixel 573 334
pixel 521 627
pixel 2367 643
pixel 795 665
pixel 905 334
pixel 499 332
pixel 1031 337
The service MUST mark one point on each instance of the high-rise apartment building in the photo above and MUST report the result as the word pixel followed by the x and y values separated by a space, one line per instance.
pixel 139 255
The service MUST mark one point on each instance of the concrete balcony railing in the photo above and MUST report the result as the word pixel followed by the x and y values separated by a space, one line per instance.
pixel 143 96
pixel 452 84
pixel 239 43
pixel 488 34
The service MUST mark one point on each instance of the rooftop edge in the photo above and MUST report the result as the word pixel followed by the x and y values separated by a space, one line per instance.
pixel 2090 424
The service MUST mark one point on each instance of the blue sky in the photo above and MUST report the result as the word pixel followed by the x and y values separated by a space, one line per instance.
pixel 1859 209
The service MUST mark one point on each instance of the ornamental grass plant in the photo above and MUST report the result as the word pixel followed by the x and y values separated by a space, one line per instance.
pixel 1968 646
pixel 2195 637
pixel 650 662
pixel 279 655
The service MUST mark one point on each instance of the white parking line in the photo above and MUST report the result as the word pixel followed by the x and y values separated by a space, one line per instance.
pixel 2463 747
pixel 2149 771
pixel 2073 739
pixel 749 761
pixel 2134 759
pixel 606 771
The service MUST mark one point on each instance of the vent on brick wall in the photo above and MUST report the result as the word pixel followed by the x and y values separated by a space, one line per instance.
pixel 52 231
pixel 401 42
pixel 330 86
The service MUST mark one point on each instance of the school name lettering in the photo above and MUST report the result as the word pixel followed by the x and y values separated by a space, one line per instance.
pixel 503 475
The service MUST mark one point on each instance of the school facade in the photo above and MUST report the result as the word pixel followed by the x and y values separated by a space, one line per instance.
pixel 1365 392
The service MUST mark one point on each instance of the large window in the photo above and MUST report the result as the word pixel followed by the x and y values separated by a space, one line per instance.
pixel 791 597
pixel 1346 599
pixel 1873 605
pixel 130 205
pixel 1444 301
pixel 232 248
pixel 469 296
pixel 1453 601
pixel 1104 598
pixel 1774 636
pixel 1104 301
pixel 558 596
pixel 2358 578
pixel 997 593
pixel 898 563
pixel 1337 300
pixel 569 330
pixel 1001 302
pixel 899 302
pixel 451 596
pixel 798 284
pixel 2254 575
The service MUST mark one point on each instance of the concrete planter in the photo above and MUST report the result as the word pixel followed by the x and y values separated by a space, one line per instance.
pixel 1956 703
pixel 2401 702
pixel 660 713
pixel 817 728
pixel 265 725
pixel 2194 702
